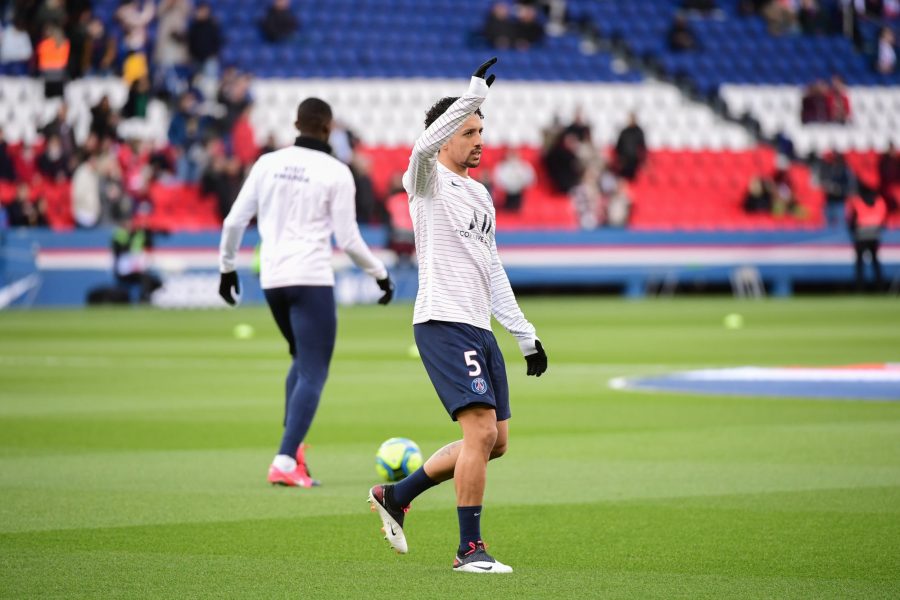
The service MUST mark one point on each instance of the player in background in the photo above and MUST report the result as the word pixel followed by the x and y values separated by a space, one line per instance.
pixel 461 283
pixel 299 195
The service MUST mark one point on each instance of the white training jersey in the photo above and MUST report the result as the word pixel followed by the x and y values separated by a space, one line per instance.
pixel 299 196
pixel 461 278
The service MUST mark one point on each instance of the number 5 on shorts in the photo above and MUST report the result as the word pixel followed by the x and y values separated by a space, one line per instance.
pixel 471 362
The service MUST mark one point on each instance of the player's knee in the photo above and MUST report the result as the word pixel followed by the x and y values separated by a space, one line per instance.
pixel 499 449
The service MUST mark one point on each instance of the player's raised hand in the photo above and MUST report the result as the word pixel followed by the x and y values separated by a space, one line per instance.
pixel 227 282
pixel 482 70
pixel 387 286
pixel 537 362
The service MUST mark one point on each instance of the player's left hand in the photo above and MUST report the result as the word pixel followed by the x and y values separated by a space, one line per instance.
pixel 537 362
pixel 387 286
pixel 481 71
pixel 227 282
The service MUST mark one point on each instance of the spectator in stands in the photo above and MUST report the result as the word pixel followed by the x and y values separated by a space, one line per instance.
pixel 758 198
pixel 529 30
pixel 838 101
pixel 811 19
pixel 780 16
pixel 866 217
pixel 15 48
pixel 205 40
pixel 579 127
pixel 138 99
pixel 7 165
pixel 631 149
pixel 60 127
pixel 22 212
pixel 838 183
pixel 513 175
pixel 891 9
pixel 366 199
pixel 79 41
pixel 615 205
pixel 50 12
pixel 680 37
pixel 814 106
pixel 86 202
pixel 104 120
pixel 187 133
pixel 280 23
pixel 52 60
pixel 170 54
pixel 53 163
pixel 243 139
pixel 223 178
pixel 134 16
pixel 886 61
pixel 889 177
pixel 561 161
pixel 234 95
pixel 100 49
pixel 500 27
pixel 585 198
pixel 784 201
pixel 25 163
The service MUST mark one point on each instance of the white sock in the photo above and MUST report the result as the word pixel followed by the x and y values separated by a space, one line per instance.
pixel 285 463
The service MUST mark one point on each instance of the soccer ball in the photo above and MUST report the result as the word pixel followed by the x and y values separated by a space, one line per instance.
pixel 397 458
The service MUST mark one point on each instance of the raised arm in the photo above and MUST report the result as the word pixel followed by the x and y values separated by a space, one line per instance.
pixel 423 161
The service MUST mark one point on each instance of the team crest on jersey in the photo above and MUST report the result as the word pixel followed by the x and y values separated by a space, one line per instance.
pixel 481 228
pixel 479 385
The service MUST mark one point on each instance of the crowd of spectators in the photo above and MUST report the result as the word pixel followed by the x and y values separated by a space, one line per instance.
pixel 773 193
pixel 834 17
pixel 210 139
pixel 596 186
pixel 826 102
pixel 515 26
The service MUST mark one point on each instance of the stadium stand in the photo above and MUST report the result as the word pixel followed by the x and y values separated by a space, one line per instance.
pixel 355 55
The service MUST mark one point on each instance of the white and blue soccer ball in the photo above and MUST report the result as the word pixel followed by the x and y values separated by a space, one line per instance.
pixel 396 458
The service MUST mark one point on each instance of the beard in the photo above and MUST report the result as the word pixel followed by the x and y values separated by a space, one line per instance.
pixel 473 160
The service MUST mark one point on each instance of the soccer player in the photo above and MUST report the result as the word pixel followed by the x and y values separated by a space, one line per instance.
pixel 461 283
pixel 299 195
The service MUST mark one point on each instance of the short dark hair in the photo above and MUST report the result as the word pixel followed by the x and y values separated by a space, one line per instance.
pixel 440 107
pixel 313 116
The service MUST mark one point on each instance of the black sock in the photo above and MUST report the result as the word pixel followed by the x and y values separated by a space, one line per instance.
pixel 469 527
pixel 407 489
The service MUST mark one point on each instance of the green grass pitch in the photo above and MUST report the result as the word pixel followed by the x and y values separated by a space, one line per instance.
pixel 134 446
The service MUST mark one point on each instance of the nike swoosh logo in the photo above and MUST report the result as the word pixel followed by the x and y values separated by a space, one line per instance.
pixel 392 530
pixel 453 183
pixel 483 568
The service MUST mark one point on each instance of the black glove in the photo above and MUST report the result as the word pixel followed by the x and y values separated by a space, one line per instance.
pixel 483 69
pixel 387 286
pixel 227 281
pixel 537 362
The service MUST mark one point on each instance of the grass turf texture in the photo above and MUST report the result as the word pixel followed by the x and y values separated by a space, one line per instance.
pixel 134 446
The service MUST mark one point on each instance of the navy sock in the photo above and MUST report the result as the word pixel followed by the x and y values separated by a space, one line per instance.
pixel 410 487
pixel 469 526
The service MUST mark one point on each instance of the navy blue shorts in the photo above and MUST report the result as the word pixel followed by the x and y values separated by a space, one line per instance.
pixel 465 366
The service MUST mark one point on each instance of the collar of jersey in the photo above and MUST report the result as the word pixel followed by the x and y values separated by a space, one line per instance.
pixel 313 144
